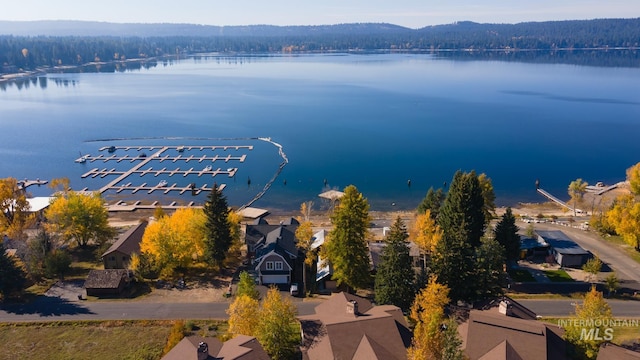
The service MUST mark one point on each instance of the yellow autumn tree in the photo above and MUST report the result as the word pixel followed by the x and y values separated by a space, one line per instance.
pixel 243 315
pixel 427 312
pixel 633 176
pixel 14 209
pixel 426 233
pixel 79 217
pixel 594 311
pixel 176 240
pixel 624 217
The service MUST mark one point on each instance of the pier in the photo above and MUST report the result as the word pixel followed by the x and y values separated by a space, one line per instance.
pixel 558 201
pixel 23 184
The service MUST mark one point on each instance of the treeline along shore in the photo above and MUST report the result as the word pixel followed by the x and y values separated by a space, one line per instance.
pixel 42 45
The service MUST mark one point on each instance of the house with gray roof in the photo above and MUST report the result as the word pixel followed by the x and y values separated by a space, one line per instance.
pixel 273 252
pixel 565 251
pixel 109 282
pixel 119 254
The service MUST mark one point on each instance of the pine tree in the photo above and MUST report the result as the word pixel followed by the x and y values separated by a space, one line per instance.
pixel 489 276
pixel 463 210
pixel 506 233
pixel 394 282
pixel 346 247
pixel 432 201
pixel 462 220
pixel 218 232
pixel 12 277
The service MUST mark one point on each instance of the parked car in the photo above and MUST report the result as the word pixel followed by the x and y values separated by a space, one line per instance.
pixel 294 290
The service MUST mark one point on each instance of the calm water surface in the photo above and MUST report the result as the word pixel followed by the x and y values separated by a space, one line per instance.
pixel 375 121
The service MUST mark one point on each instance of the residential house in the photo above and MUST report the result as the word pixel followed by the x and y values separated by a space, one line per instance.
pixel 349 327
pixel 119 254
pixel 506 330
pixel 109 282
pixel 565 251
pixel 273 252
pixel 611 351
pixel 241 347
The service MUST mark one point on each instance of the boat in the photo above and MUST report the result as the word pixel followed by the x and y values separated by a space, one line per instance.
pixel 207 168
pixel 180 148
pixel 111 149
pixel 230 169
pixel 83 158
pixel 162 183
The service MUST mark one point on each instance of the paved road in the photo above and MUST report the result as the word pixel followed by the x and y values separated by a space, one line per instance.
pixel 566 307
pixel 625 267
pixel 57 309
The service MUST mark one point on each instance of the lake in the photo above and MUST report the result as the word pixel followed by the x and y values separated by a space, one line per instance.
pixel 372 120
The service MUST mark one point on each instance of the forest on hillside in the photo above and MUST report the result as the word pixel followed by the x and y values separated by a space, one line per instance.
pixel 465 40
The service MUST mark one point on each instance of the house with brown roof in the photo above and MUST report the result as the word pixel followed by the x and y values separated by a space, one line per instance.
pixel 350 327
pixel 611 351
pixel 119 254
pixel 241 347
pixel 507 330
pixel 108 282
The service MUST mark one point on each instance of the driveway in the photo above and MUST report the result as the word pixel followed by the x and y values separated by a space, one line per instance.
pixel 626 268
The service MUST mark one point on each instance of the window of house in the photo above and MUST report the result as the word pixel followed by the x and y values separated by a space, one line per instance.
pixel 269 265
pixel 278 265
pixel 113 258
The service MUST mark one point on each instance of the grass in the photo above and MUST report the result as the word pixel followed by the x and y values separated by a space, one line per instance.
pixel 624 246
pixel 558 275
pixel 94 339
pixel 521 275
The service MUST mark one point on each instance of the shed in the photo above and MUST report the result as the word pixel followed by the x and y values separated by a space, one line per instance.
pixel 565 251
pixel 108 282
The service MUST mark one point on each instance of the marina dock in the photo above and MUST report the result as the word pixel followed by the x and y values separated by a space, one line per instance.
pixel 164 156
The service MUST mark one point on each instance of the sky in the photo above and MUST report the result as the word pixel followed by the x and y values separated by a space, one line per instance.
pixel 408 13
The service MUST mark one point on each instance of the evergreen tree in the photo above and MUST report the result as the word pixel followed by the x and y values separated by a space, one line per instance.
pixel 463 210
pixel 489 269
pixel 394 277
pixel 489 197
pixel 12 277
pixel 506 233
pixel 432 201
pixel 218 231
pixel 346 247
pixel 451 349
pixel 462 220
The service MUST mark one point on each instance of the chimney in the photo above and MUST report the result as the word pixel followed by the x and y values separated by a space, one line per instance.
pixel 505 308
pixel 352 307
pixel 203 351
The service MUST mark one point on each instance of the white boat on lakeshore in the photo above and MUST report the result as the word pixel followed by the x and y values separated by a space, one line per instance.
pixel 162 183
pixel 207 168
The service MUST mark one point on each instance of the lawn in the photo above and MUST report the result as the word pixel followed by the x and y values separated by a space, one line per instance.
pixel 521 275
pixel 558 275
pixel 92 339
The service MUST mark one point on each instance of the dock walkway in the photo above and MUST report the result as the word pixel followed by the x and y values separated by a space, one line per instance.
pixel 557 201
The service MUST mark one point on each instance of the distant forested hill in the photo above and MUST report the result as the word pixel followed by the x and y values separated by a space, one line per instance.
pixel 29 45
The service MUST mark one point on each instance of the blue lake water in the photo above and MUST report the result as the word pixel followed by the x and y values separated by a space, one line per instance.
pixel 375 121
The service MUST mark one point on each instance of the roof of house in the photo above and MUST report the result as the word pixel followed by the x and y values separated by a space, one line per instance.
pixel 490 334
pixel 105 279
pixel 241 347
pixel 561 243
pixel 39 203
pixel 611 351
pixel 336 331
pixel 129 242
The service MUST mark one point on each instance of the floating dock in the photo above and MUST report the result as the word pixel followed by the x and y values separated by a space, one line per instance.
pixel 161 157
